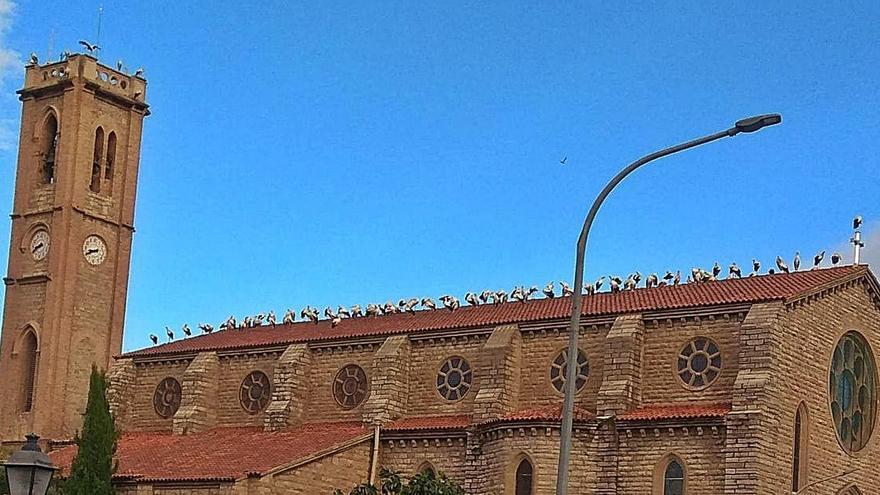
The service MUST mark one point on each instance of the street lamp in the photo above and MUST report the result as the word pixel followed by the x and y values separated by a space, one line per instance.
pixel 751 124
pixel 29 470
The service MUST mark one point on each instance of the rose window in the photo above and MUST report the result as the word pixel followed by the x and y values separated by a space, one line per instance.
pixel 255 392
pixel 559 368
pixel 853 391
pixel 166 398
pixel 454 378
pixel 350 386
pixel 699 363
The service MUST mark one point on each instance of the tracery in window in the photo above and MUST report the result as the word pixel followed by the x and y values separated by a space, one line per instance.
pixel 558 370
pixel 255 392
pixel 166 398
pixel 350 386
pixel 673 478
pixel 454 378
pixel 699 363
pixel 853 390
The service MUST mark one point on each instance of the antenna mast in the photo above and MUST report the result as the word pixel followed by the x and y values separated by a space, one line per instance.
pixel 857 240
pixel 100 17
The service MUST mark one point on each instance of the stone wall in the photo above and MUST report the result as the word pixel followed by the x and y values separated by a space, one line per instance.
pixel 343 470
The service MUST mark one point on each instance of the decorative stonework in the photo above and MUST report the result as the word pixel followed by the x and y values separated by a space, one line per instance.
pixel 499 388
pixel 198 411
pixel 291 388
pixel 120 390
pixel 558 370
pixel 699 363
pixel 350 387
pixel 853 391
pixel 455 378
pixel 166 398
pixel 389 381
pixel 621 387
pixel 255 392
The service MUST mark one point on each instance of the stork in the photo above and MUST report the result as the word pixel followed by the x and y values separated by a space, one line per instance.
pixel 450 302
pixel 373 309
pixel 677 279
pixel 485 296
pixel 186 330
pixel 797 261
pixel 428 303
pixel 781 265
pixel 328 313
pixel 756 267
pixel 289 317
pixel 499 297
pixel 629 283
pixel 472 299
pixel 835 259
pixel 343 312
pixel 652 280
pixel 548 290
pixel 615 283
pixel 518 294
pixel 335 321
pixel 529 292
pixel 668 277
pixel 733 271
pixel 410 305
pixel 716 270
pixel 89 46
pixel 34 60
pixel 598 284
pixel 206 328
pixel 566 289
pixel 155 339
pixel 270 318
pixel 169 333
pixel 356 311
pixel 817 260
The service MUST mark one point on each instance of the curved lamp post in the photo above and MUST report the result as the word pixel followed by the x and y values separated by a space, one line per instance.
pixel 29 470
pixel 746 125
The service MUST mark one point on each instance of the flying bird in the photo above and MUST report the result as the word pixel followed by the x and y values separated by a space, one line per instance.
pixel 835 259
pixel 733 271
pixel 154 339
pixel 797 260
pixel 857 222
pixel 564 159
pixel 781 265
pixel 89 47
pixel 817 260
pixel 756 267
pixel 548 290
pixel 186 330
pixel 169 333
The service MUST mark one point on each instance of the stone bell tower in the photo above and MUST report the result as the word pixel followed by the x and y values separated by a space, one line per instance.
pixel 70 248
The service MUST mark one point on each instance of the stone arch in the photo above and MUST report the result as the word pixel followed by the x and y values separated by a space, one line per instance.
pixel 800 448
pixel 47 134
pixel 26 238
pixel 667 472
pixel 522 475
pixel 426 466
pixel 850 490
pixel 27 349
pixel 97 160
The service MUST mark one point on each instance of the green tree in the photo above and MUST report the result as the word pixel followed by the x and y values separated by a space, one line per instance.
pixel 426 483
pixel 93 466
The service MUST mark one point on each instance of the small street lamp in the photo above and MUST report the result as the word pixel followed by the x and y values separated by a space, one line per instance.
pixel 748 125
pixel 29 470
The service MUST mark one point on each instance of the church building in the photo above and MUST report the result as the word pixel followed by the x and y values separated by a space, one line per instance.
pixel 758 385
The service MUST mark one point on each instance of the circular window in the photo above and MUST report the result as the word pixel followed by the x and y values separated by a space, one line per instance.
pixel 559 368
pixel 166 398
pixel 699 363
pixel 350 386
pixel 454 378
pixel 853 390
pixel 255 392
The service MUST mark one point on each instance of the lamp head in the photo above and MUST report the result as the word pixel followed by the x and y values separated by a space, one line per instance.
pixel 753 124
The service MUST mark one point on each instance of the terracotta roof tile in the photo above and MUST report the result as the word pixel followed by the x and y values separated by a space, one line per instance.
pixel 222 454
pixel 675 411
pixel 745 290
pixel 544 413
pixel 458 422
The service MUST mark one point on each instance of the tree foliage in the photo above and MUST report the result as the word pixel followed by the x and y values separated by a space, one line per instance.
pixel 391 483
pixel 93 466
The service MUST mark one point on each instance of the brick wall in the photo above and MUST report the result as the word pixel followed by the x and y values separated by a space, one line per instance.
pixel 233 370
pixel 408 456
pixel 425 361
pixel 142 416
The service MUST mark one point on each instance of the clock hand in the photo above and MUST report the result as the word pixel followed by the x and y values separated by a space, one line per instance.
pixel 92 251
pixel 37 247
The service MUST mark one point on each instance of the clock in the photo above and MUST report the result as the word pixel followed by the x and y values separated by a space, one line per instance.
pixel 39 245
pixel 94 250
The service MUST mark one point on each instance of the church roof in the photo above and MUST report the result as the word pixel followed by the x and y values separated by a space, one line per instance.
pixel 221 454
pixel 763 288
pixel 654 412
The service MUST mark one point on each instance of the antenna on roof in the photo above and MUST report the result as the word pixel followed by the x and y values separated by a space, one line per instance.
pixel 100 17
pixel 856 239
pixel 50 53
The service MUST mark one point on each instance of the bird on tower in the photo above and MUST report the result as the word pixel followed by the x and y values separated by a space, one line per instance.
pixel 857 222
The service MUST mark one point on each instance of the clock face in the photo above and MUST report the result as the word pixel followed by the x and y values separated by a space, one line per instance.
pixel 94 250
pixel 39 245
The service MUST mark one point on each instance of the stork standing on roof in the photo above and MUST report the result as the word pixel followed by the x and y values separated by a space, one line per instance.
pixel 270 318
pixel 598 283
pixel 155 339
pixel 373 309
pixel 289 317
pixel 343 312
pixel 817 260
pixel 206 327
pixel 186 330
pixel 428 303
pixel 615 283
pixel 756 267
pixel 499 297
pixel 548 290
pixel 410 305
pixel 472 299
pixel 781 265
pixel 733 271
pixel 566 289
pixel 797 261
pixel 169 333
pixel 485 296
pixel 356 311
pixel 629 283
pixel 835 259
pixel 518 294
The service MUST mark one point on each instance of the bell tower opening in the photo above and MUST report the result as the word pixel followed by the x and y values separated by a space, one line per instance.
pixel 71 237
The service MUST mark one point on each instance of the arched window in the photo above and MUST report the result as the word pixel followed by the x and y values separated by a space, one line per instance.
pixel 29 370
pixel 97 156
pixel 799 461
pixel 524 478
pixel 111 156
pixel 49 143
pixel 428 469
pixel 673 478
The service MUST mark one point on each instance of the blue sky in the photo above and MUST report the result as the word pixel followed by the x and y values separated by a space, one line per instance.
pixel 335 153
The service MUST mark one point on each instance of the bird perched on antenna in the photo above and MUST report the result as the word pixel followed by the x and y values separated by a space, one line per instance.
pixel 89 47
pixel 857 222
pixel 33 60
